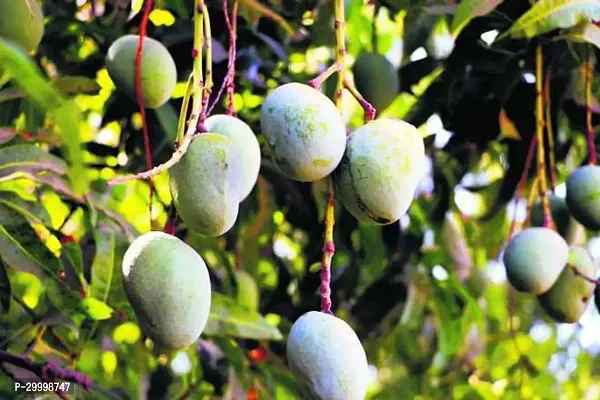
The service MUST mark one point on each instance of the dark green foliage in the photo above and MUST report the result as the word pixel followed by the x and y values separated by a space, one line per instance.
pixel 376 79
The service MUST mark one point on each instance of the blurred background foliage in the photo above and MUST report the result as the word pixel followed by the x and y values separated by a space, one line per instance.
pixel 427 296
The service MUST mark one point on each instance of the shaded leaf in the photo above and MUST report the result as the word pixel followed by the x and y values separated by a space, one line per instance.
pixel 70 85
pixel 507 127
pixel 29 158
pixel 5 289
pixel 469 9
pixel 32 211
pixel 96 309
pixel 228 318
pixel 7 134
pixel 26 75
pixel 587 33
pixel 547 15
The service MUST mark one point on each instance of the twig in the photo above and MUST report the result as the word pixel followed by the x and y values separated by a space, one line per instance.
pixel 140 98
pixel 540 125
pixel 549 130
pixel 588 109
pixel 318 81
pixel 48 371
pixel 278 19
pixel 208 80
pixel 370 111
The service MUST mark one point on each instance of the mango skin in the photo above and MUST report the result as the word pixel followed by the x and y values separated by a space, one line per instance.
pixel 245 143
pixel 205 185
pixel 158 72
pixel 534 259
pixel 379 173
pixel 22 23
pixel 168 286
pixel 570 295
pixel 304 131
pixel 376 79
pixel 327 358
pixel 248 293
pixel 583 196
pixel 559 211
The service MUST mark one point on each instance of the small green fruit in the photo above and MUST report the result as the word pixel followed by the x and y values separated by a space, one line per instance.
pixel 248 293
pixel 158 72
pixel 534 259
pixel 168 287
pixel 245 143
pixel 583 196
pixel 379 173
pixel 327 358
pixel 22 22
pixel 570 295
pixel 304 130
pixel 559 211
pixel 376 79
pixel 205 185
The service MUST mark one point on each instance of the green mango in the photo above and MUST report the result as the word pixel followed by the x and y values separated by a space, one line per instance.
pixel 379 173
pixel 570 295
pixel 376 79
pixel 205 185
pixel 248 293
pixel 158 70
pixel 583 196
pixel 559 211
pixel 327 358
pixel 168 286
pixel 22 22
pixel 304 130
pixel 245 143
pixel 534 258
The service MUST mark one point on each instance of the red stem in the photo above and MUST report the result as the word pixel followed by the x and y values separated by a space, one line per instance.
pixel 523 179
pixel 323 76
pixel 140 99
pixel 328 253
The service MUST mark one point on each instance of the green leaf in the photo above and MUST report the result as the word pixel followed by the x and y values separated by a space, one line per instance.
pixel 29 158
pixel 6 135
pixel 26 75
pixel 467 10
pixel 5 289
pixel 32 211
pixel 228 318
pixel 34 116
pixel 547 15
pixel 168 119
pixel 96 309
pixel 586 33
pixel 70 85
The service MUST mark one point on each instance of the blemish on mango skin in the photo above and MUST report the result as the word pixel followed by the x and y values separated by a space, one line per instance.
pixel 322 162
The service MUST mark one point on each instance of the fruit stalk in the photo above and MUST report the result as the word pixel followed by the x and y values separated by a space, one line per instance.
pixel 140 99
pixel 531 199
pixel 523 180
pixel 549 130
pixel 232 56
pixel 588 110
pixel 198 80
pixel 539 116
pixel 370 111
pixel 208 80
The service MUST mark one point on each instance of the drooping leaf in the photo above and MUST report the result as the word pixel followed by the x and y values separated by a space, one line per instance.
pixel 26 75
pixel 507 127
pixel 228 318
pixel 34 116
pixel 586 33
pixel 547 15
pixel 96 309
pixel 32 211
pixel 29 158
pixel 5 289
pixel 469 9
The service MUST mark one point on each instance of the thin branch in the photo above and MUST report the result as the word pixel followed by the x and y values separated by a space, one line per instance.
pixel 370 111
pixel 549 129
pixel 275 17
pixel 589 70
pixel 208 79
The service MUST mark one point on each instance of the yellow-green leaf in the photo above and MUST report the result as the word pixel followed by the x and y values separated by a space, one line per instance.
pixel 96 309
pixel 469 9
pixel 586 33
pixel 547 15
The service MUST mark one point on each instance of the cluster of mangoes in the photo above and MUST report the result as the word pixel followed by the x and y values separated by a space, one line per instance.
pixel 540 261
pixel 375 171
pixel 22 23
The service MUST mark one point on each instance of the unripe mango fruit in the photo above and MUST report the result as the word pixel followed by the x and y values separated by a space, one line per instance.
pixel 205 185
pixel 570 295
pixel 22 23
pixel 534 259
pixel 376 79
pixel 245 143
pixel 158 70
pixel 379 173
pixel 248 293
pixel 304 130
pixel 327 358
pixel 559 211
pixel 583 196
pixel 168 287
